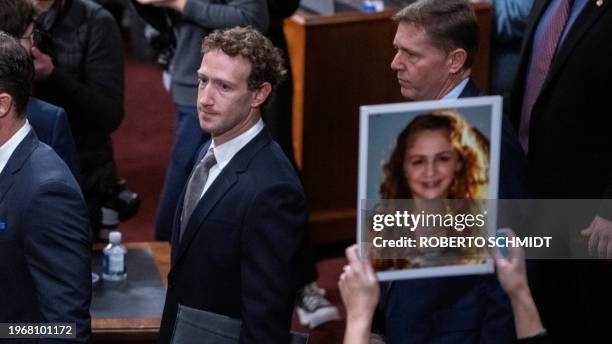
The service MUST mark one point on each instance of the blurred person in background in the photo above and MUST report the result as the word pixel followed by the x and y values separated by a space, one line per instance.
pixel 49 121
pixel 509 23
pixel 79 66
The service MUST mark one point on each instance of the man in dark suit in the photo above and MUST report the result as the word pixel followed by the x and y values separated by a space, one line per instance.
pixel 49 121
pixel 561 108
pixel 240 223
pixel 44 238
pixel 190 21
pixel 436 42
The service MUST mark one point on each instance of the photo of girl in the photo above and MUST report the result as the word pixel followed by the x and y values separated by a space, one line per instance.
pixel 440 162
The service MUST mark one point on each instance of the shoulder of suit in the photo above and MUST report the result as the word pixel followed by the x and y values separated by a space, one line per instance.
pixel 45 166
pixel 38 107
pixel 269 166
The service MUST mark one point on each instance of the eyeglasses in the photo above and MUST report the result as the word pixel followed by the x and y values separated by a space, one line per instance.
pixel 33 37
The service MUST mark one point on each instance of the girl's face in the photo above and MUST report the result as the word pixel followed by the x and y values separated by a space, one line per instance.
pixel 430 163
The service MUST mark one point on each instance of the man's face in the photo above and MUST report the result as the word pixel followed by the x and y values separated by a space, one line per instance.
pixel 226 107
pixel 422 69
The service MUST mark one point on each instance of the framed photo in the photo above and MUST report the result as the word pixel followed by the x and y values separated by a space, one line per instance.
pixel 427 174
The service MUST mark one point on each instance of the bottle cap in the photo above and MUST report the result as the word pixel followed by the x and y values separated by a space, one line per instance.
pixel 368 7
pixel 114 237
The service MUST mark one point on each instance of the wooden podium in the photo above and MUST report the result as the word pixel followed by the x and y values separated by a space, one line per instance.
pixel 339 63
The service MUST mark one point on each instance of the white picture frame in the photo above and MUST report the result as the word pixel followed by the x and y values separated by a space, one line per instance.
pixel 379 127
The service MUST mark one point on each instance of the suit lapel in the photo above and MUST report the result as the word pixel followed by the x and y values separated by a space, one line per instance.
pixel 220 187
pixel 224 181
pixel 6 181
pixel 583 23
pixel 16 161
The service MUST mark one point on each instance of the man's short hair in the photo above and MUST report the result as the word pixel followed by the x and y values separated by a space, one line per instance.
pixel 16 72
pixel 266 60
pixel 449 24
pixel 16 16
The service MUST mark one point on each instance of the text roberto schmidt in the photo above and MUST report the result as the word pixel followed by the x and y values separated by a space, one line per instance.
pixel 424 229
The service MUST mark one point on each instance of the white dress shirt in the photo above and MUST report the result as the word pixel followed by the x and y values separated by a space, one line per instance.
pixel 456 92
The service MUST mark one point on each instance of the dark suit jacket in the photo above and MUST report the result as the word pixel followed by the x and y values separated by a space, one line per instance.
pixel 45 259
pixel 238 254
pixel 570 146
pixel 570 157
pixel 51 126
pixel 466 309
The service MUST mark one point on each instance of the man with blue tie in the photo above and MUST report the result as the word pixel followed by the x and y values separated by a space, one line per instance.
pixel 45 259
pixel 561 108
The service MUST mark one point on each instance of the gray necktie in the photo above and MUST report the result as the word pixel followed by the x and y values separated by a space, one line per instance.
pixel 195 186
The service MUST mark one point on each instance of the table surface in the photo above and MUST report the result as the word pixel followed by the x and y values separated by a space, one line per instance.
pixel 134 329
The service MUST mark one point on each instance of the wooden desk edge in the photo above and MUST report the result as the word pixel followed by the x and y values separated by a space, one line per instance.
pixel 124 329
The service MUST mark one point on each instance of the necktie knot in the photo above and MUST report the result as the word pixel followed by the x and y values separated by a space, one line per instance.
pixel 209 160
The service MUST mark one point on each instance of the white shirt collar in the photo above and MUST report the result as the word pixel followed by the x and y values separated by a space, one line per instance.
pixel 7 149
pixel 226 151
pixel 456 92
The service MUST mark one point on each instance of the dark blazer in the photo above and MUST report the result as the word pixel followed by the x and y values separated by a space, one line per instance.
pixel 51 125
pixel 570 150
pixel 45 259
pixel 238 254
pixel 570 146
pixel 465 309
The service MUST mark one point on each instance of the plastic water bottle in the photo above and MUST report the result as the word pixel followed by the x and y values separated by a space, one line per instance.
pixel 113 265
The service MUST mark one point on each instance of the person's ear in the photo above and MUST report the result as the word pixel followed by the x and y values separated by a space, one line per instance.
pixel 456 60
pixel 261 94
pixel 6 103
